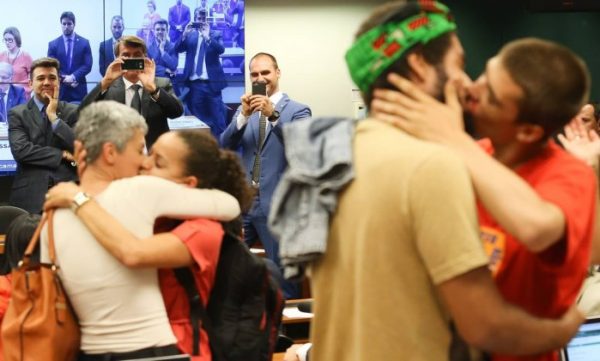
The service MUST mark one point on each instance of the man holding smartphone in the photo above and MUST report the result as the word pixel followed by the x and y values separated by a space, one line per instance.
pixel 256 130
pixel 130 79
pixel 203 71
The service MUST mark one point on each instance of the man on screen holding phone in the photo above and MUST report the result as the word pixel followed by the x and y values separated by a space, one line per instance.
pixel 203 71
pixel 256 130
pixel 153 97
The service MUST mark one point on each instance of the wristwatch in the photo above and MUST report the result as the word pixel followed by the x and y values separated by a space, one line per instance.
pixel 154 93
pixel 79 200
pixel 275 116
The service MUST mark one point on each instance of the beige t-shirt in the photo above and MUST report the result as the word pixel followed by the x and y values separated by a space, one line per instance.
pixel 405 224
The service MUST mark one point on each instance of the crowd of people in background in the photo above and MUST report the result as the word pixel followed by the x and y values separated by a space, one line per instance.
pixel 476 244
pixel 221 24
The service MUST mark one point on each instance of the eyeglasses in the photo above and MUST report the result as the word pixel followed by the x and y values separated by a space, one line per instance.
pixel 9 40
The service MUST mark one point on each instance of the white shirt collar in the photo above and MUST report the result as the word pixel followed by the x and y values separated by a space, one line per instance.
pixel 275 98
pixel 128 84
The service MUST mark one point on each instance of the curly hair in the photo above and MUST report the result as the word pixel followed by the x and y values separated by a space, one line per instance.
pixel 216 168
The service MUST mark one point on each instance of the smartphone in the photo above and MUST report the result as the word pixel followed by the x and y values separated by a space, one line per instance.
pixel 259 88
pixel 196 25
pixel 133 64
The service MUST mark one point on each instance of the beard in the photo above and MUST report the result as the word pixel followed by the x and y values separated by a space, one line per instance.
pixel 442 79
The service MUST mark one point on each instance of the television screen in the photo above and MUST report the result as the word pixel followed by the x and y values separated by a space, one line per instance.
pixel 38 25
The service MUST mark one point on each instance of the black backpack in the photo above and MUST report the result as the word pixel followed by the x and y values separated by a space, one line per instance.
pixel 244 309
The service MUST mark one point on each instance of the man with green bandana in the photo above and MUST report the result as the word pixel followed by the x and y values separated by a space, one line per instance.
pixel 404 266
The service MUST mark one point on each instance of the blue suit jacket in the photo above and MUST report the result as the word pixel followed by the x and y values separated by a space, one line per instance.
pixel 164 61
pixel 178 19
pixel 16 96
pixel 38 148
pixel 272 155
pixel 106 55
pixel 212 57
pixel 81 65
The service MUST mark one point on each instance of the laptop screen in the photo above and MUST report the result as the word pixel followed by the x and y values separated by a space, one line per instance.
pixel 585 346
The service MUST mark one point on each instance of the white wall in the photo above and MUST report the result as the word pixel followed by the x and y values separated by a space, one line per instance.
pixel 309 39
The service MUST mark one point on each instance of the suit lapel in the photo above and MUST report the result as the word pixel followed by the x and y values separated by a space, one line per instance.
pixel 75 48
pixel 118 87
pixel 10 98
pixel 253 124
pixel 278 107
pixel 61 48
pixel 35 117
pixel 146 103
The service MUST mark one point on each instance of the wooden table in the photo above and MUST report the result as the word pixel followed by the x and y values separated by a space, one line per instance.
pixel 278 356
pixel 297 328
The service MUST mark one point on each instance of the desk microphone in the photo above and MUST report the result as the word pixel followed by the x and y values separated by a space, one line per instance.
pixel 305 307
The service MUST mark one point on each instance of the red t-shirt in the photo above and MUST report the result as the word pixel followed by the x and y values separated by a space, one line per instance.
pixel 5 289
pixel 545 284
pixel 202 237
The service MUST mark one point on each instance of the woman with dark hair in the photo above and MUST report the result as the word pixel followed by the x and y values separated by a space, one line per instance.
pixel 17 57
pixel 18 235
pixel 192 158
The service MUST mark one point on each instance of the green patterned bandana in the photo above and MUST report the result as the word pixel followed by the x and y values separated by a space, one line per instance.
pixel 380 47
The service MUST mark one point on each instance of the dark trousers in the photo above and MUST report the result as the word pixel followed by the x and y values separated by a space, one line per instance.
pixel 207 105
pixel 255 227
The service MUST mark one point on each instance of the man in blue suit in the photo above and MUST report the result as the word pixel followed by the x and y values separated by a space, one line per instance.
pixel 203 72
pixel 264 162
pixel 75 57
pixel 179 17
pixel 161 51
pixel 41 138
pixel 107 47
pixel 10 95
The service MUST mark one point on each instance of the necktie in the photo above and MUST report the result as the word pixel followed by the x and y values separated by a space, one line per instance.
pixel 136 101
pixel 201 52
pixel 69 52
pixel 2 107
pixel 262 128
pixel 46 125
pixel 44 116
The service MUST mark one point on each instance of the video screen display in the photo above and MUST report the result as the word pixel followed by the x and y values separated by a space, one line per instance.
pixel 33 29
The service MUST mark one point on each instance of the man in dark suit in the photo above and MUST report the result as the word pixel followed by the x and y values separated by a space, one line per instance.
pixel 203 72
pixel 152 97
pixel 264 160
pixel 107 47
pixel 10 95
pixel 41 139
pixel 235 19
pixel 161 51
pixel 179 17
pixel 75 56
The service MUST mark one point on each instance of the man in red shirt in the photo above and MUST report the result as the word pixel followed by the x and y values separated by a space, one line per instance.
pixel 536 202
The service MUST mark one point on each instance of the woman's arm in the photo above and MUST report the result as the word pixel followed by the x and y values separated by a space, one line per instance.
pixel 162 250
pixel 169 199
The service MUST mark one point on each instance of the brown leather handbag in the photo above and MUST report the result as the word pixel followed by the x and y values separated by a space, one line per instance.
pixel 39 323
